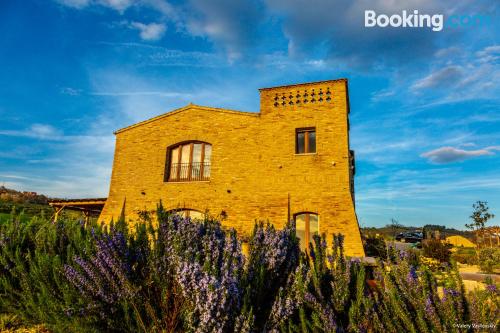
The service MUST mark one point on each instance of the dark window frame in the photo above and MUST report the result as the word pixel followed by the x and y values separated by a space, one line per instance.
pixel 306 131
pixel 202 168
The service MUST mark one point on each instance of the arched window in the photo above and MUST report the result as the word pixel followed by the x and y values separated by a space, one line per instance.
pixel 193 214
pixel 189 161
pixel 307 225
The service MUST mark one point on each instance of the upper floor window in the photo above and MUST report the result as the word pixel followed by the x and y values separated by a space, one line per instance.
pixel 189 162
pixel 305 140
pixel 307 224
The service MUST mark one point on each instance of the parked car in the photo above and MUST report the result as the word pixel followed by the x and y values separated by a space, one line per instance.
pixel 410 237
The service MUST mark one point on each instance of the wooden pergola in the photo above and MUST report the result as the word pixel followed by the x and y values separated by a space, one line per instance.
pixel 90 207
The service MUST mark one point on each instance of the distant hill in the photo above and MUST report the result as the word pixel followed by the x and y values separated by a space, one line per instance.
pixel 388 231
pixel 10 195
pixel 31 203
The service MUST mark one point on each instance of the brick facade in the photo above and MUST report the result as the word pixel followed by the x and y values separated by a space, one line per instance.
pixel 254 167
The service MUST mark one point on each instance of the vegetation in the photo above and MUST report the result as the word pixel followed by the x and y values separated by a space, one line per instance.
pixel 436 249
pixel 389 231
pixel 480 216
pixel 184 275
pixel 375 246
pixel 10 195
pixel 465 255
pixel 489 259
pixel 29 203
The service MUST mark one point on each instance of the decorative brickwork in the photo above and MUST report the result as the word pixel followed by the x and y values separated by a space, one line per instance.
pixel 254 167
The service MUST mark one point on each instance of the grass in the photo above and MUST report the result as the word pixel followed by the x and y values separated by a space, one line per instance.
pixel 12 324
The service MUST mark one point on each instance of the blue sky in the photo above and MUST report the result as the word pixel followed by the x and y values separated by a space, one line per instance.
pixel 425 116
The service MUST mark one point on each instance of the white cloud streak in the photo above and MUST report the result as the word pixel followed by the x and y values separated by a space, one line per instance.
pixel 451 154
pixel 151 31
pixel 35 131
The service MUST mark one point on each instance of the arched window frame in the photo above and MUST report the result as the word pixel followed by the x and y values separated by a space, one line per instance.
pixel 188 212
pixel 304 243
pixel 178 169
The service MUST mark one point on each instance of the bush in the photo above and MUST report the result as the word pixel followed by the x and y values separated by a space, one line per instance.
pixel 465 256
pixel 192 276
pixel 434 248
pixel 489 259
pixel 375 247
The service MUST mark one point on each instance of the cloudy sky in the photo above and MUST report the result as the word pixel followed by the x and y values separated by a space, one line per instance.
pixel 425 116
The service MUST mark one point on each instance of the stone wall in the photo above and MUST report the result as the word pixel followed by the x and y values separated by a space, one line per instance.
pixel 254 167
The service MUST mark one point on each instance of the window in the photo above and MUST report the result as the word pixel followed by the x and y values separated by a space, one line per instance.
pixel 193 214
pixel 189 162
pixel 305 140
pixel 307 225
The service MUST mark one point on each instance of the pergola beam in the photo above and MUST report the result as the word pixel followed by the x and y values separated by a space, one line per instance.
pixel 89 207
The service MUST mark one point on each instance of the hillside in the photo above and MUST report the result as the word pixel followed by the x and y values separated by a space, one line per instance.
pixel 30 203
pixel 389 231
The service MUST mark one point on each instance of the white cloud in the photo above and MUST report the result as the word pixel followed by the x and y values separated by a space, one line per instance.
pixel 73 166
pixel 420 188
pixel 36 131
pixel 142 93
pixel 231 23
pixel 470 75
pixel 74 3
pixel 70 91
pixel 441 78
pixel 163 7
pixel 382 95
pixel 489 54
pixel 119 5
pixel 450 154
pixel 151 31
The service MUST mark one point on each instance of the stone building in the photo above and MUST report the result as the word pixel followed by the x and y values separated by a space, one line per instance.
pixel 292 159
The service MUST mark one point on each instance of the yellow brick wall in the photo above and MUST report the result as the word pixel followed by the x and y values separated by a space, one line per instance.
pixel 253 166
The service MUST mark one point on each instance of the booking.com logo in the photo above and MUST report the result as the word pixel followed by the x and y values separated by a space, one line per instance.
pixel 414 19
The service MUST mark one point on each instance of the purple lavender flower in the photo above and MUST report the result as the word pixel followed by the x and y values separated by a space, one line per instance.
pixel 428 306
pixel 412 275
pixel 492 288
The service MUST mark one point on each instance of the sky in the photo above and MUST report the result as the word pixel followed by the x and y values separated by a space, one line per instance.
pixel 425 105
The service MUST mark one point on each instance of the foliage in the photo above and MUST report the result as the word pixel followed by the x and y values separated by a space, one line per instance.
pixel 489 259
pixel 22 211
pixel 431 230
pixel 387 231
pixel 173 274
pixel 465 255
pixel 11 195
pixel 375 246
pixel 395 227
pixel 434 248
pixel 480 216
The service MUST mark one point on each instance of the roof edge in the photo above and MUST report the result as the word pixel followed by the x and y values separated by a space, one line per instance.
pixel 304 84
pixel 184 108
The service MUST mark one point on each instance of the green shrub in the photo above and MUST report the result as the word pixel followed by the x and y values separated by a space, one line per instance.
pixel 465 255
pixel 375 247
pixel 489 259
pixel 32 255
pixel 434 248
pixel 191 276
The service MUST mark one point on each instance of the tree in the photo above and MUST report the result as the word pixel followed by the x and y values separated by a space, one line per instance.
pixel 493 232
pixel 434 230
pixel 480 216
pixel 496 232
pixel 395 226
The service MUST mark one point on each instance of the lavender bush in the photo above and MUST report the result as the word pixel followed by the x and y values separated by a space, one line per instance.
pixel 177 275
